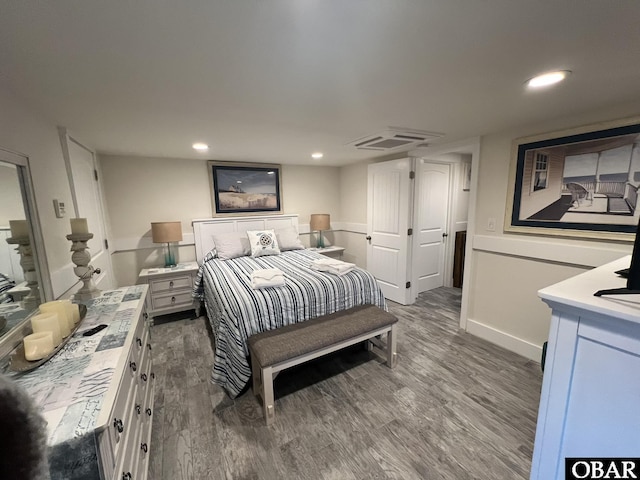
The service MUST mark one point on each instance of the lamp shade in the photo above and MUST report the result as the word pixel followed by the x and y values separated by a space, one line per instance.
pixel 320 221
pixel 165 232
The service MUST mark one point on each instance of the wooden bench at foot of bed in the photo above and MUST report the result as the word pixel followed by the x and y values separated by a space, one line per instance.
pixel 281 348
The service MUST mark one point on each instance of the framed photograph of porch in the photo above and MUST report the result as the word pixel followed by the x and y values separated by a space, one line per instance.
pixel 583 182
pixel 245 188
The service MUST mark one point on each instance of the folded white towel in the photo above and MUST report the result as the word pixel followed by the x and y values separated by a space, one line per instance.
pixel 332 265
pixel 267 277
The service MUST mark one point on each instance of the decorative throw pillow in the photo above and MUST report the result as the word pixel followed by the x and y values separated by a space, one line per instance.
pixel 288 239
pixel 263 242
pixel 231 245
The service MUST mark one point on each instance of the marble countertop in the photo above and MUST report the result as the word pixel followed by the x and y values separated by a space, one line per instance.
pixel 71 386
pixel 577 293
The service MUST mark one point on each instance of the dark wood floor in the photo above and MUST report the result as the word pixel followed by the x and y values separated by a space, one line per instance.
pixel 455 407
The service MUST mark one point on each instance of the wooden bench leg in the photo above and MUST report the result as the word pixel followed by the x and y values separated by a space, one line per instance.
pixel 392 356
pixel 257 377
pixel 267 395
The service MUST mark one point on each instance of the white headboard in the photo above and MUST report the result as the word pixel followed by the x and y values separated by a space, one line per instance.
pixel 203 229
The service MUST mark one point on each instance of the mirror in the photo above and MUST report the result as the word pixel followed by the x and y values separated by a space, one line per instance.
pixel 22 265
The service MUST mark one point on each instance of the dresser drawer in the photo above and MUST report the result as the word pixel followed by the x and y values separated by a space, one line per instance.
pixel 123 419
pixel 171 284
pixel 172 300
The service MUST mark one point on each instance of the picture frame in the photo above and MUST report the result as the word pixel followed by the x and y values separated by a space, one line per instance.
pixel 583 182
pixel 239 188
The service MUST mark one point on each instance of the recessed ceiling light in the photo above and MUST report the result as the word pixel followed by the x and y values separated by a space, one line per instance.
pixel 201 147
pixel 317 155
pixel 548 78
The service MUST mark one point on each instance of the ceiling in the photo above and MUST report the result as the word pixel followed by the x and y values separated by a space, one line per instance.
pixel 276 80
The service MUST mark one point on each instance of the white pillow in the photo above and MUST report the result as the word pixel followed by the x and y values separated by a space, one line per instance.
pixel 263 242
pixel 288 239
pixel 231 245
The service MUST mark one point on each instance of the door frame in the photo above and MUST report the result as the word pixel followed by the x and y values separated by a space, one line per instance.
pixel 470 146
pixel 65 138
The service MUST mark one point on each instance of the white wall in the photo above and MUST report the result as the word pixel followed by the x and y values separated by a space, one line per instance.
pixel 141 190
pixel 26 132
pixel 508 269
pixel 10 195
pixel 353 213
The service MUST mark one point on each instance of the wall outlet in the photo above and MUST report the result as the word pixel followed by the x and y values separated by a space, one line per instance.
pixel 491 225
pixel 59 208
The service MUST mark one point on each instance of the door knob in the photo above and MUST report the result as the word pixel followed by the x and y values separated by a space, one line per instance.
pixel 368 238
pixel 445 235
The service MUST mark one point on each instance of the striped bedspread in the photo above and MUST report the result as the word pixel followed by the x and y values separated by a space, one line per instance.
pixel 237 311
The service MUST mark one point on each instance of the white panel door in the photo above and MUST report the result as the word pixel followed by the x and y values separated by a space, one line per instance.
pixel 430 224
pixel 88 204
pixel 388 214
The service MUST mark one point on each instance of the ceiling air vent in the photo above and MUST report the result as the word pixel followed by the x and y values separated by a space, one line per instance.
pixel 394 139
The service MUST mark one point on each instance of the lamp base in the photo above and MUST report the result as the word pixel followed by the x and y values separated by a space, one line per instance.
pixel 169 259
pixel 320 240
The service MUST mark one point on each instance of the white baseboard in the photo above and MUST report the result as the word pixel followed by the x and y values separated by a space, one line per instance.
pixel 505 340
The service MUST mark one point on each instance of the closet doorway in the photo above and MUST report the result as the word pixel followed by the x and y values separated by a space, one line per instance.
pixel 414 210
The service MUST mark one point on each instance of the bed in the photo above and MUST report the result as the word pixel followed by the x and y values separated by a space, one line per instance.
pixel 236 311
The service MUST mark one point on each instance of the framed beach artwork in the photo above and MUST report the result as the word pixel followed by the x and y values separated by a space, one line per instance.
pixel 245 188
pixel 580 183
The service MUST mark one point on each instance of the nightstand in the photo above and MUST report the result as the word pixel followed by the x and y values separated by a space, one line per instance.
pixel 332 251
pixel 170 289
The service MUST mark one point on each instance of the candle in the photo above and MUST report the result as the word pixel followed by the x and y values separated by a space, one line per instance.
pixel 70 312
pixel 19 228
pixel 79 225
pixel 47 322
pixel 64 319
pixel 38 345
pixel 75 312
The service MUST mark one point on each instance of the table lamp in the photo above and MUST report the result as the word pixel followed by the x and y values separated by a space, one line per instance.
pixel 320 222
pixel 167 232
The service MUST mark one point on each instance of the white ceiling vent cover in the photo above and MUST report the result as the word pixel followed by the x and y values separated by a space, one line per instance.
pixel 393 139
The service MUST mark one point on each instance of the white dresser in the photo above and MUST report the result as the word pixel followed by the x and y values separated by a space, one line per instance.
pixel 590 400
pixel 97 393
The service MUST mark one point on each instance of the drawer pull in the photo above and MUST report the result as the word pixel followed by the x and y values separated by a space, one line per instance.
pixel 143 447
pixel 139 341
pixel 145 315
pixel 117 423
pixel 153 375
pixel 148 410
pixel 149 346
pixel 138 408
pixel 143 377
pixel 173 300
pixel 133 366
pixel 171 283
pixel 126 476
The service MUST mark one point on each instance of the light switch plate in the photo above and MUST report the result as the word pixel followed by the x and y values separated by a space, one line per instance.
pixel 59 208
